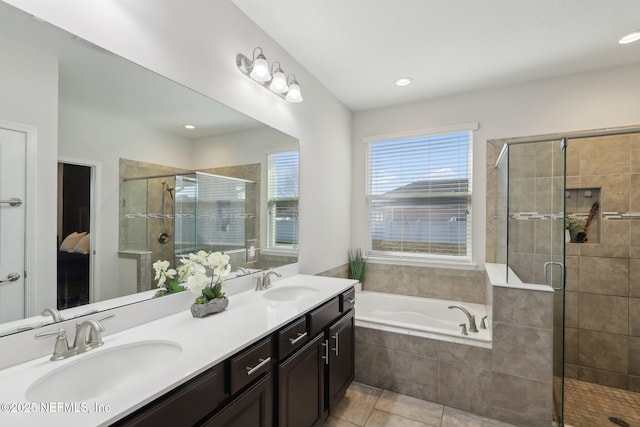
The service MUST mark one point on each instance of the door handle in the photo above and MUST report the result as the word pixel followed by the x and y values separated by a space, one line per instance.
pixel 325 344
pixel 335 337
pixel 14 201
pixel 546 275
pixel 11 277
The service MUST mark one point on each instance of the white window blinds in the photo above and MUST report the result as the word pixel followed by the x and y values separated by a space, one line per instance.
pixel 419 196
pixel 283 200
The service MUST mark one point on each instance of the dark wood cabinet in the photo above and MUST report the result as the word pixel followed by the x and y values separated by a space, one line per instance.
pixel 293 378
pixel 341 358
pixel 253 408
pixel 301 386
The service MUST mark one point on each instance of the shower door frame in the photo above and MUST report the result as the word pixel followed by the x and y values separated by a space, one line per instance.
pixel 566 137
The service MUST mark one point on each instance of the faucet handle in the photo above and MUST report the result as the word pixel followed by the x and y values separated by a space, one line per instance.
pixel 62 345
pixel 464 329
pixel 483 323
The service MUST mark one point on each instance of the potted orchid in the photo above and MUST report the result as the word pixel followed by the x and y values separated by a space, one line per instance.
pixel 203 274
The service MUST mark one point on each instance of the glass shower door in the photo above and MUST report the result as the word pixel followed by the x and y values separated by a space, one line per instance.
pixel 536 233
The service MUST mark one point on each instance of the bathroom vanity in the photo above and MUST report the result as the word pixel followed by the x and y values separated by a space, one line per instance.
pixel 284 356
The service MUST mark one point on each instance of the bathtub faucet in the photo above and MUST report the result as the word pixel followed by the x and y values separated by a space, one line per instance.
pixel 471 318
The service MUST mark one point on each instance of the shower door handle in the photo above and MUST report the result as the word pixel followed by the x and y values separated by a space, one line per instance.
pixel 546 274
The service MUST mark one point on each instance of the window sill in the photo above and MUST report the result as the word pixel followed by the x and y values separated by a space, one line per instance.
pixel 277 251
pixel 465 264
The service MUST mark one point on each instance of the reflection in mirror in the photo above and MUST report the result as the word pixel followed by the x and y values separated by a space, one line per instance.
pixel 157 189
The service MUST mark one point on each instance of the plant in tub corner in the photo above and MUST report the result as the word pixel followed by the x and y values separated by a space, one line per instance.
pixel 357 265
pixel 192 275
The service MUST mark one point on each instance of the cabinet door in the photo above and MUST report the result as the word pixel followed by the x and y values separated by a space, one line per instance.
pixel 301 383
pixel 253 408
pixel 341 358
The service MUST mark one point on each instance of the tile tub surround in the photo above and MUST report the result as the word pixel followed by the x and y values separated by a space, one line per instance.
pixel 464 285
pixel 511 382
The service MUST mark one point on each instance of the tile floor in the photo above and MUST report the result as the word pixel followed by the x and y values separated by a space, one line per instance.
pixel 591 405
pixel 367 406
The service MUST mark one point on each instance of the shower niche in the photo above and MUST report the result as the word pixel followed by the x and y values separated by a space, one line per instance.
pixel 583 214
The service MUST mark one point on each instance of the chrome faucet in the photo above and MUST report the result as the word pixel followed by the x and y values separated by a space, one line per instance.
pixel 471 318
pixel 266 278
pixel 264 281
pixel 57 317
pixel 88 336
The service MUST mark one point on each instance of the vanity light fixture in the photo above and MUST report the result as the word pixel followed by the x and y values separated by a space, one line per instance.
pixel 273 79
pixel 630 38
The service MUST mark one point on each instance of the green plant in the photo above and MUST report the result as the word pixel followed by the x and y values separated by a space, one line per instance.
pixel 574 225
pixel 357 265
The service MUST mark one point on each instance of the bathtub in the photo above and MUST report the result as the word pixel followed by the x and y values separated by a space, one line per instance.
pixel 429 318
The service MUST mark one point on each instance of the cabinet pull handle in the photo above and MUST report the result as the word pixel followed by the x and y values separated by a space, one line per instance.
pixel 335 337
pixel 301 335
pixel 351 300
pixel 325 344
pixel 263 362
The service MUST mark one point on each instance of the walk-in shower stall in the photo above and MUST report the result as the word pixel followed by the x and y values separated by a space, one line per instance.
pixel 167 216
pixel 567 217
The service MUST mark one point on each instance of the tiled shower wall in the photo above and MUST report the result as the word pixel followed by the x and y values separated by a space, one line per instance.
pixel 602 335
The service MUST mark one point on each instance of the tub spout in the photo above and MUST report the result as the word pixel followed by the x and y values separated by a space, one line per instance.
pixel 471 318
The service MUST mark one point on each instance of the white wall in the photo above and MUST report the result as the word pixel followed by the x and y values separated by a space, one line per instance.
pixel 29 96
pixel 95 138
pixel 195 44
pixel 583 101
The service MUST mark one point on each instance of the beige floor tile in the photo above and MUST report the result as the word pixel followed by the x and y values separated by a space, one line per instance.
pixel 456 418
pixel 357 404
pixel 336 422
pixel 410 407
pixel 380 418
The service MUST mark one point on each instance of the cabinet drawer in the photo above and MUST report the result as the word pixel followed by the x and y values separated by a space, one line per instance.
pixel 250 364
pixel 292 337
pixel 184 406
pixel 347 300
pixel 322 316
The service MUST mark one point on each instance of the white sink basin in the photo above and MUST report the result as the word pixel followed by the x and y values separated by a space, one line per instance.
pixel 290 293
pixel 96 373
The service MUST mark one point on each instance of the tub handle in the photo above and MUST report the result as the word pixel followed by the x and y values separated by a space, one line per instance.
pixel 483 323
pixel 301 335
pixel 325 344
pixel 464 329
pixel 335 337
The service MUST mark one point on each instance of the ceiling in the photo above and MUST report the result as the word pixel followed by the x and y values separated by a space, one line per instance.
pixel 357 48
pixel 92 77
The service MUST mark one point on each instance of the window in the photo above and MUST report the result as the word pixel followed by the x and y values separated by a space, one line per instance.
pixel 282 232
pixel 419 194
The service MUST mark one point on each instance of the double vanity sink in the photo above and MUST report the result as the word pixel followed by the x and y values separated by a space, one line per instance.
pixel 138 365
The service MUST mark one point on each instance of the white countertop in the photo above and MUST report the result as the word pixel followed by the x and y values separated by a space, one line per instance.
pixel 205 342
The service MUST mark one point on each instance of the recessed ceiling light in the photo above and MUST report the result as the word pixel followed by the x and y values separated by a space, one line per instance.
pixel 189 127
pixel 630 38
pixel 403 81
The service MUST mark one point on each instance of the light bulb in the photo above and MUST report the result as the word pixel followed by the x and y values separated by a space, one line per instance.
pixel 260 69
pixel 294 94
pixel 630 38
pixel 279 82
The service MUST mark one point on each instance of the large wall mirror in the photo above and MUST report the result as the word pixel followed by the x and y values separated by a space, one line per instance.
pixel 134 185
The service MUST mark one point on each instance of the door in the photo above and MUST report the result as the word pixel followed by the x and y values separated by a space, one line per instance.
pixel 301 383
pixel 341 358
pixel 12 223
pixel 536 233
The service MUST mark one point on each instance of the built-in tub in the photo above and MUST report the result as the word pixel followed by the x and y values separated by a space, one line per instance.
pixel 426 317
